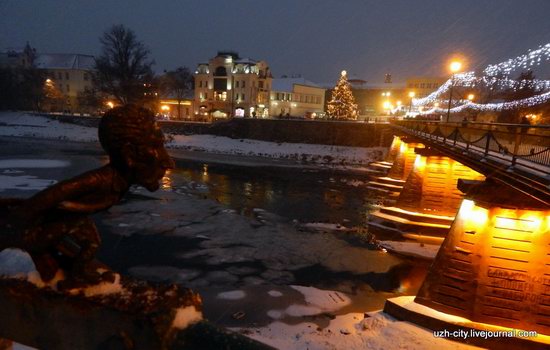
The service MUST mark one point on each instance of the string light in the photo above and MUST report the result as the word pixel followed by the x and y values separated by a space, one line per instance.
pixel 496 77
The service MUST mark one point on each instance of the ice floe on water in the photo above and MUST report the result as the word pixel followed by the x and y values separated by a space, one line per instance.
pixel 232 295
pixel 275 293
pixel 33 163
pixel 24 183
pixel 163 273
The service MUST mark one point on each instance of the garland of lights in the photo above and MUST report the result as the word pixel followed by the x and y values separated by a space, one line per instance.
pixel 496 77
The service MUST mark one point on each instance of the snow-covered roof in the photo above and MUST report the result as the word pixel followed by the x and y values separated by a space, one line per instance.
pixel 286 84
pixel 64 61
pixel 245 61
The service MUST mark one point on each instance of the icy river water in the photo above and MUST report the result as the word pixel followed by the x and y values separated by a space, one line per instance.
pixel 219 228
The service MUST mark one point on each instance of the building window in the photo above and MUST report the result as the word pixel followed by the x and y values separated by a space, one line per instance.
pixel 86 76
pixel 67 75
pixel 59 76
pixel 277 97
pixel 206 95
pixel 68 88
pixel 261 84
pixel 243 97
pixel 220 96
pixel 237 84
pixel 243 85
pixel 200 83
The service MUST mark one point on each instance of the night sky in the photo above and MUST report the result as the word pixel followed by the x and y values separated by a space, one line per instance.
pixel 315 38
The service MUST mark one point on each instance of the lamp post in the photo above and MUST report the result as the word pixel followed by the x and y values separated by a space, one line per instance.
pixel 455 66
pixel 411 96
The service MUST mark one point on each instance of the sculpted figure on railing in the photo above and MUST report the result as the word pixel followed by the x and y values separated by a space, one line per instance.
pixel 54 226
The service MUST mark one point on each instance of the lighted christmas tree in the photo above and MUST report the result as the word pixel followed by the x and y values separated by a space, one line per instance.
pixel 342 104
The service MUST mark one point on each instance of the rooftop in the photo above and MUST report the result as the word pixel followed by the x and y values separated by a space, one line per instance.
pixel 64 61
pixel 286 84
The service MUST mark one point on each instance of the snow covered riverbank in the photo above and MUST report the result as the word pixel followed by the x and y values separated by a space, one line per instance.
pixel 26 125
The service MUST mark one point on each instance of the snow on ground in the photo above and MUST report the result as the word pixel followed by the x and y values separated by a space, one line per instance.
pixel 295 151
pixel 27 125
pixel 414 249
pixel 351 332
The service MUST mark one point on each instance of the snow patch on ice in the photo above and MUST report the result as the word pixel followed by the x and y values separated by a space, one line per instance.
pixel 414 249
pixel 232 295
pixel 324 299
pixel 322 226
pixel 33 163
pixel 275 293
pixel 275 314
pixel 351 332
pixel 24 183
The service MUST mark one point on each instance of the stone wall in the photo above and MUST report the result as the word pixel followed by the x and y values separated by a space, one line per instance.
pixel 299 131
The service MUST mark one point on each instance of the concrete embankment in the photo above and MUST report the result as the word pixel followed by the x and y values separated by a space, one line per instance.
pixel 336 133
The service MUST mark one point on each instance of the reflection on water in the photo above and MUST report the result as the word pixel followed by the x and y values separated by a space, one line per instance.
pixel 295 195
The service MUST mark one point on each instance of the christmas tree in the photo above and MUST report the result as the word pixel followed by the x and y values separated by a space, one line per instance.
pixel 342 105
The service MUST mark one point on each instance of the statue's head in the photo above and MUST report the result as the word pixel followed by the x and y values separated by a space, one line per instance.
pixel 135 144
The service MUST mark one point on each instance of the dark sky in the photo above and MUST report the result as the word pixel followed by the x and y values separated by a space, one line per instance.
pixel 315 38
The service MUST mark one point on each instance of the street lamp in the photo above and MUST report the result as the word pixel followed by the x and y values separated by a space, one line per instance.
pixel 471 97
pixel 455 67
pixel 411 96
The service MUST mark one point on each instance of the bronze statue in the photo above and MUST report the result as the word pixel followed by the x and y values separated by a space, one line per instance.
pixel 53 225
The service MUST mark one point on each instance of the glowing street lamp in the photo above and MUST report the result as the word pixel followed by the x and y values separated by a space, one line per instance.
pixel 110 104
pixel 411 96
pixel 471 97
pixel 454 67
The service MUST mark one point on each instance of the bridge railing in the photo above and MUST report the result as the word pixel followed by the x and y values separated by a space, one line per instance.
pixel 515 145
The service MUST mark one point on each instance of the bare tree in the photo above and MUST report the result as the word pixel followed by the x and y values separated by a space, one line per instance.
pixel 123 70
pixel 177 84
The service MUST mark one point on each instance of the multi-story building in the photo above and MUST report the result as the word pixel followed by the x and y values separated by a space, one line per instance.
pixel 423 86
pixel 296 97
pixel 231 86
pixel 18 58
pixel 68 74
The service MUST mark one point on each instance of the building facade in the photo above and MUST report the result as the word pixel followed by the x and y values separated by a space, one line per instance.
pixel 423 86
pixel 296 97
pixel 18 58
pixel 68 76
pixel 231 86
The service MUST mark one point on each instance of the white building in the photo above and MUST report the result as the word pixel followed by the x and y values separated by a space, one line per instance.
pixel 229 85
pixel 296 97
pixel 70 74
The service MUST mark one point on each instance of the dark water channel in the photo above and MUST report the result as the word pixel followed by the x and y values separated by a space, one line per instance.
pixel 302 195
pixel 294 195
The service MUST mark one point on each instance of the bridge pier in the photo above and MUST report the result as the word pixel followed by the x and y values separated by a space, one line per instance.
pixel 428 202
pixel 492 271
